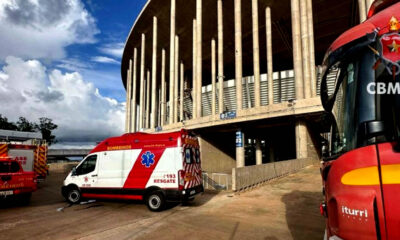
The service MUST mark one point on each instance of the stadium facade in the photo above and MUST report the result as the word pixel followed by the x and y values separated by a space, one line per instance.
pixel 242 74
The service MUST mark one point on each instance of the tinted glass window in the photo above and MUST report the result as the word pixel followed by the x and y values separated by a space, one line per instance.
pixel 88 166
pixel 4 167
pixel 197 156
pixel 344 134
pixel 388 105
pixel 188 156
pixel 14 167
pixel 9 167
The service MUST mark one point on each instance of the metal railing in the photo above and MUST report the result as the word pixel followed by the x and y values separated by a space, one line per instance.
pixel 246 177
pixel 217 181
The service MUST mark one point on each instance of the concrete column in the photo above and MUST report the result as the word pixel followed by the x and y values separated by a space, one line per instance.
pixel 305 43
pixel 176 89
pixel 220 57
pixel 128 99
pixel 134 90
pixel 240 159
pixel 362 10
pixel 270 68
pixel 172 63
pixel 159 101
pixel 163 90
pixel 271 153
pixel 297 57
pixel 213 77
pixel 199 61
pixel 258 152
pixel 142 89
pixel 238 54
pixel 182 91
pixel 312 48
pixel 148 84
pixel 144 104
pixel 301 139
pixel 194 71
pixel 256 54
pixel 154 77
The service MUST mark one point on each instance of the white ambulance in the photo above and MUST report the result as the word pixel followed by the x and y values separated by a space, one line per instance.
pixel 155 168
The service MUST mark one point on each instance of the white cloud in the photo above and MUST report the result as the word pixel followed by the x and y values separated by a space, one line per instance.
pixel 113 49
pixel 76 106
pixel 74 65
pixel 103 59
pixel 43 28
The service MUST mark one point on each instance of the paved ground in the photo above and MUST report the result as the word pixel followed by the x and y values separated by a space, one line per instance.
pixel 286 208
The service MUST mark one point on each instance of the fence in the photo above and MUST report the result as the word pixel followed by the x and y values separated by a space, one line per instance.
pixel 217 181
pixel 245 177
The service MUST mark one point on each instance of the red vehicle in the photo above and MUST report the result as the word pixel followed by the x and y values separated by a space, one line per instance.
pixel 361 167
pixel 14 181
pixel 32 157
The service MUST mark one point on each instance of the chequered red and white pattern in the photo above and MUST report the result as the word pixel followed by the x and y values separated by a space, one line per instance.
pixel 192 170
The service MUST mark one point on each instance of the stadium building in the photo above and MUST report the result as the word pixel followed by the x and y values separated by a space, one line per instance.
pixel 242 74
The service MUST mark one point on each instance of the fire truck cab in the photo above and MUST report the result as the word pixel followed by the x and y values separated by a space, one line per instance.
pixel 155 168
pixel 361 166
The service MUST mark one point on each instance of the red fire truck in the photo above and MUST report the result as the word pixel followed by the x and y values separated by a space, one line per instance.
pixel 361 167
pixel 21 167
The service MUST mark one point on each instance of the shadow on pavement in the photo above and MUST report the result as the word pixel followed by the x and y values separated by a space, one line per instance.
pixel 199 201
pixel 302 215
pixel 49 193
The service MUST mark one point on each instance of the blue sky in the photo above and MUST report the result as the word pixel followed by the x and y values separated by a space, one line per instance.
pixel 61 59
pixel 114 21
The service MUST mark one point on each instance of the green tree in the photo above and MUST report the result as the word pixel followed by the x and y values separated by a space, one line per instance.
pixel 46 126
pixel 25 126
pixel 6 125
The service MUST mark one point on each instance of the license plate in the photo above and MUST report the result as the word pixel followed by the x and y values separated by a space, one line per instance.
pixel 192 192
pixel 6 193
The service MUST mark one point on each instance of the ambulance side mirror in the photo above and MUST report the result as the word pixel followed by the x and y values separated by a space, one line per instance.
pixel 73 171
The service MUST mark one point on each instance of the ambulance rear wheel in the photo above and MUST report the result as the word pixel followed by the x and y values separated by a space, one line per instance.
pixel 155 201
pixel 73 195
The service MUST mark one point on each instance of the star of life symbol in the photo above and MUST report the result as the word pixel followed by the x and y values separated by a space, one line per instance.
pixel 147 159
pixel 86 179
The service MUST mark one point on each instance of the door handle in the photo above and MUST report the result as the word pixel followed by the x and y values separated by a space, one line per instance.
pixel 94 175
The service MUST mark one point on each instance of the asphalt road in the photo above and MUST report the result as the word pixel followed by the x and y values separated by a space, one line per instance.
pixel 285 208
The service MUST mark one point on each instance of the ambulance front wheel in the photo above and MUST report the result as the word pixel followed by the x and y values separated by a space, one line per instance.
pixel 155 201
pixel 73 195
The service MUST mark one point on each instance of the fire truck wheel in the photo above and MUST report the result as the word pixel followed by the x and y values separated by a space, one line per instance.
pixel 73 195
pixel 155 201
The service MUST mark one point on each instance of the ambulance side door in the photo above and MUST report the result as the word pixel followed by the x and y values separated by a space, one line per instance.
pixel 110 169
pixel 85 175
